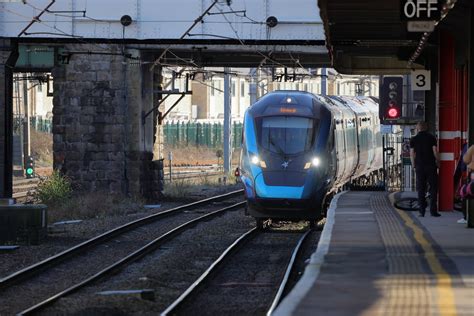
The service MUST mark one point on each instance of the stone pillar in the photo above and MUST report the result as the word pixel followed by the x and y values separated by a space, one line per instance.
pixel 8 57
pixel 140 133
pixel 88 120
pixel 100 138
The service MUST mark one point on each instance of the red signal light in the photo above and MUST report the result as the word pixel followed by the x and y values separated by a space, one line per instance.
pixel 393 113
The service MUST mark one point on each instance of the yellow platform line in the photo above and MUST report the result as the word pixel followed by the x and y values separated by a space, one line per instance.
pixel 444 283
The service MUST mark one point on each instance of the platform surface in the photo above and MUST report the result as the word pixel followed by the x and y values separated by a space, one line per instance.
pixel 374 259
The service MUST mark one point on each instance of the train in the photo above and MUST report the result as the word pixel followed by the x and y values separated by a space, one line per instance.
pixel 299 149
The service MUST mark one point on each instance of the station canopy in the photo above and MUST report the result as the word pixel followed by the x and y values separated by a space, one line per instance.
pixel 371 36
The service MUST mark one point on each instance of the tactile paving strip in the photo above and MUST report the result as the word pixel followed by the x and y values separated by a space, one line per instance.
pixel 409 287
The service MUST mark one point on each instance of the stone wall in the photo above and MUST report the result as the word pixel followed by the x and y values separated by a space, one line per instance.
pixel 100 140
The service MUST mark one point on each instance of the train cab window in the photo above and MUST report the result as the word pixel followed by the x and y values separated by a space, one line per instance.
pixel 286 135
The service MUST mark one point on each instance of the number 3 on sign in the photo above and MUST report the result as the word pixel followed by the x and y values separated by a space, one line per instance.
pixel 420 80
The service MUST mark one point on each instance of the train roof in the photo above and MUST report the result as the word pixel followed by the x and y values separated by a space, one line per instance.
pixel 294 101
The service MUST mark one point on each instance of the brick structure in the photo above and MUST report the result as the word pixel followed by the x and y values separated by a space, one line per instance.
pixel 100 139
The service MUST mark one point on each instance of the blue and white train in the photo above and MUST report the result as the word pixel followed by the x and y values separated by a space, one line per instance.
pixel 299 148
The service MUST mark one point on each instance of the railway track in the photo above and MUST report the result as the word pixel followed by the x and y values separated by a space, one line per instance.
pixel 104 254
pixel 221 289
pixel 24 188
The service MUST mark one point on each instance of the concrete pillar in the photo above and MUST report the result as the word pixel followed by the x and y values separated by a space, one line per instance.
pixel 227 121
pixel 200 97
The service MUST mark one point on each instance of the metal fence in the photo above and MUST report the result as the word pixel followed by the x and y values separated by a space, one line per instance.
pixel 176 133
pixel 200 134
pixel 395 178
pixel 40 124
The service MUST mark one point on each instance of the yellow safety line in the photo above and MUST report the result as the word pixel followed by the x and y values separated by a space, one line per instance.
pixel 446 304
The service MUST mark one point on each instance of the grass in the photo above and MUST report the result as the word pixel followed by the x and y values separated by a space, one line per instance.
pixel 93 205
pixel 54 189
pixel 184 189
pixel 42 148
pixel 196 155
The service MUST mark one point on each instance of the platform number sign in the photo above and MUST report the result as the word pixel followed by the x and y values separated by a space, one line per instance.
pixel 420 80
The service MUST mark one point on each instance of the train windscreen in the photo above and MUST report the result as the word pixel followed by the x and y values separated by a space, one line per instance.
pixel 286 135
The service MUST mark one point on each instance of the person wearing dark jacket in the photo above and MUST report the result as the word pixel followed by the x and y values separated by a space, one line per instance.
pixel 425 160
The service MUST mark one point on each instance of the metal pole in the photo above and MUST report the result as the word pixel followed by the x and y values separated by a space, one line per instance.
pixel 6 116
pixel 227 120
pixel 470 91
pixel 384 162
pixel 407 168
pixel 323 81
pixel 26 123
pixel 253 86
pixel 170 158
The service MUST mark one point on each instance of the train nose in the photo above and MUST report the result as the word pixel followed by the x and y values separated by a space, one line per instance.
pixel 289 178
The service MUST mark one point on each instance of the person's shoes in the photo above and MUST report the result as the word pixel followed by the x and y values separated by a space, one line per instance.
pixel 436 214
pixel 421 213
pixel 462 221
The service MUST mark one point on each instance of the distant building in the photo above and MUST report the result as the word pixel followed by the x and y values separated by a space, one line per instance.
pixel 207 99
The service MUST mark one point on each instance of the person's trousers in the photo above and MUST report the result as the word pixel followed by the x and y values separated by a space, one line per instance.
pixel 427 175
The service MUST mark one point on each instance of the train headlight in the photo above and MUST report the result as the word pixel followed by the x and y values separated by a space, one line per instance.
pixel 256 161
pixel 316 161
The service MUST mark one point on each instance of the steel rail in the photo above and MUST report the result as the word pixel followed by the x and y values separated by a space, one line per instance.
pixel 151 246
pixel 171 309
pixel 54 260
pixel 284 282
pixel 192 175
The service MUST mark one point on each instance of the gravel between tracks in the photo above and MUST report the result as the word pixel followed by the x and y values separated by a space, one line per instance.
pixel 65 236
pixel 168 272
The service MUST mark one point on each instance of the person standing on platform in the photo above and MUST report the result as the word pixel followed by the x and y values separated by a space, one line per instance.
pixel 461 168
pixel 468 159
pixel 425 160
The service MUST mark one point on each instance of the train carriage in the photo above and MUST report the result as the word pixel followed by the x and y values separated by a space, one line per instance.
pixel 298 148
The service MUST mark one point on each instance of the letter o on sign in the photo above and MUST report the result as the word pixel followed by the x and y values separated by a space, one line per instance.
pixel 409 9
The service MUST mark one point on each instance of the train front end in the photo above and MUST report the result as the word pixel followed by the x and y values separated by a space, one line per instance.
pixel 286 163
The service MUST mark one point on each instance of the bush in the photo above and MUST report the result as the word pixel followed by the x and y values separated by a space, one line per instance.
pixel 54 189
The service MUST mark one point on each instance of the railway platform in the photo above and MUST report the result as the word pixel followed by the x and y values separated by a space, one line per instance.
pixel 375 259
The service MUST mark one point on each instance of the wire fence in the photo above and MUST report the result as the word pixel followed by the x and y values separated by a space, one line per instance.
pixel 41 124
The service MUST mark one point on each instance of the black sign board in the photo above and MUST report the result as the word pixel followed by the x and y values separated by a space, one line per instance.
pixel 420 10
